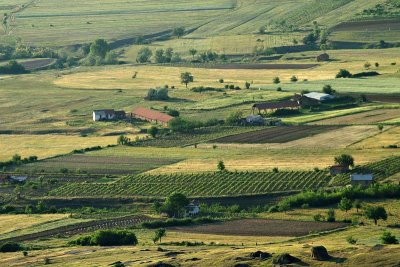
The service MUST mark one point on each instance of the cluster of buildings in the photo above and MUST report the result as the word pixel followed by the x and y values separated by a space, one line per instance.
pixel 357 179
pixel 138 113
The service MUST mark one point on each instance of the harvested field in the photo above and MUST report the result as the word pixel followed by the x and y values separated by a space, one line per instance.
pixel 369 117
pixel 371 25
pixel 38 63
pixel 386 98
pixel 101 165
pixel 264 66
pixel 261 227
pixel 281 134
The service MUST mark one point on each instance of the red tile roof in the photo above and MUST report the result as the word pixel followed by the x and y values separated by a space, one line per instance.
pixel 150 114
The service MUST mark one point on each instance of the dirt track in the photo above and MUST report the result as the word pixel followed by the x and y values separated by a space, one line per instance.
pixel 261 227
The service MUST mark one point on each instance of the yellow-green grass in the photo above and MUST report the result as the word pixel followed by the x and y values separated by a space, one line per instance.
pixel 10 223
pixel 44 146
pixel 243 157
pixel 388 137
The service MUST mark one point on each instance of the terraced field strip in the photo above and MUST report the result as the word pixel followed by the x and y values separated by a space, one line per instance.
pixel 281 134
pixel 70 230
pixel 200 184
pixel 264 66
pixel 101 164
pixel 369 117
pixel 261 227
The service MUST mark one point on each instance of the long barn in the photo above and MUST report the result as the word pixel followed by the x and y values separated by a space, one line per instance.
pixel 151 115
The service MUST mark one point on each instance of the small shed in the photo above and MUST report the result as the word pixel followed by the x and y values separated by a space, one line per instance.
pixel 339 169
pixel 361 179
pixel 108 115
pixel 320 96
pixel 192 209
pixel 323 57
pixel 17 179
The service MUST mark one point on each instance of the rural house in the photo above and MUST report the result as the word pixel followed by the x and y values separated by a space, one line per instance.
pixel 108 115
pixel 305 101
pixel 151 115
pixel 361 179
pixel 338 169
pixel 192 209
pixel 320 96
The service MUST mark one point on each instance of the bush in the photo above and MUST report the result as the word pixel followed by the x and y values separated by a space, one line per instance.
pixel 388 238
pixel 344 74
pixel 157 94
pixel 318 217
pixel 330 215
pixel 173 113
pixel 13 67
pixel 10 247
pixel 351 240
pixel 108 238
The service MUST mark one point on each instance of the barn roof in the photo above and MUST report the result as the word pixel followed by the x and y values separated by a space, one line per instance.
pixel 319 96
pixel 151 114
pixel 362 177
pixel 277 105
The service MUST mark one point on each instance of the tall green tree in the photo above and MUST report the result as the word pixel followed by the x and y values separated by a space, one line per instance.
pixel 175 204
pixel 345 204
pixel 144 55
pixel 158 234
pixel 345 159
pixel 375 213
pixel 186 78
pixel 99 48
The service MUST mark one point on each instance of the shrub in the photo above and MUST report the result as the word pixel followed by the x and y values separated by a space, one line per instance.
pixel 276 80
pixel 13 67
pixel 330 215
pixel 344 74
pixel 294 79
pixel 318 217
pixel 157 94
pixel 388 238
pixel 221 80
pixel 173 113
pixel 351 240
pixel 10 247
pixel 247 85
pixel 108 238
pixel 279 89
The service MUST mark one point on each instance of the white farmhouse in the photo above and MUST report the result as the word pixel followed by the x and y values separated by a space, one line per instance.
pixel 107 115
pixel 192 209
pixel 319 96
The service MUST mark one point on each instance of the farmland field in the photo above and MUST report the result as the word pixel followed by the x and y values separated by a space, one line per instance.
pixel 388 137
pixel 261 227
pixel 274 135
pixel 369 117
pixel 100 164
pixel 197 184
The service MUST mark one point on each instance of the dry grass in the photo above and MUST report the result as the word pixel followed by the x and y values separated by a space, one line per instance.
pixel 44 146
pixel 389 136
pixel 368 117
pixel 9 223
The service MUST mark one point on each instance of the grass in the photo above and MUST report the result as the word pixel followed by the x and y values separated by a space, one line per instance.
pixel 388 137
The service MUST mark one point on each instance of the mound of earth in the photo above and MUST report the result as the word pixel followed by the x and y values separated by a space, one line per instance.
pixel 319 253
pixel 285 259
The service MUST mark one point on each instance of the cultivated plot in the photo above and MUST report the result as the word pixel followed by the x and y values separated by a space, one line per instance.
pixel 369 117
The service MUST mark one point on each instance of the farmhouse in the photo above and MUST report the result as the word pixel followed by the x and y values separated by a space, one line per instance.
pixel 151 115
pixel 192 209
pixel 338 169
pixel 361 179
pixel 305 101
pixel 108 115
pixel 273 106
pixel 319 96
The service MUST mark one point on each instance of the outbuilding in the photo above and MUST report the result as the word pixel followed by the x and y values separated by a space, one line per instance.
pixel 192 209
pixel 320 96
pixel 361 179
pixel 108 115
pixel 151 115
pixel 339 169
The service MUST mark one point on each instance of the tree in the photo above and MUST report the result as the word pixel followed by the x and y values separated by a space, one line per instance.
pixel 153 131
pixel 247 85
pixel 221 165
pixel 276 80
pixel 327 89
pixel 388 238
pixel 294 79
pixel 234 118
pixel 99 48
pixel 180 125
pixel 380 127
pixel 178 32
pixel 357 204
pixel 330 215
pixel 375 213
pixel 123 140
pixel 173 113
pixel 144 55
pixel 261 30
pixel 175 204
pixel 158 234
pixel 377 64
pixel 345 204
pixel 159 56
pixel 193 52
pixel 344 74
pixel 186 78
pixel 345 159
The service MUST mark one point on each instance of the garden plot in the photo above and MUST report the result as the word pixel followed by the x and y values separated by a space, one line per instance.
pixel 369 117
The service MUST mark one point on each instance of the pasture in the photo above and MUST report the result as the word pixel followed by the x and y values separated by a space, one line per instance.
pixel 368 117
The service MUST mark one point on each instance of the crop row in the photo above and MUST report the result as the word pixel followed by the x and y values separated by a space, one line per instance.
pixel 200 184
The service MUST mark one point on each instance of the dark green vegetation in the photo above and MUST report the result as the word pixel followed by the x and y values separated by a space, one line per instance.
pixel 108 238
